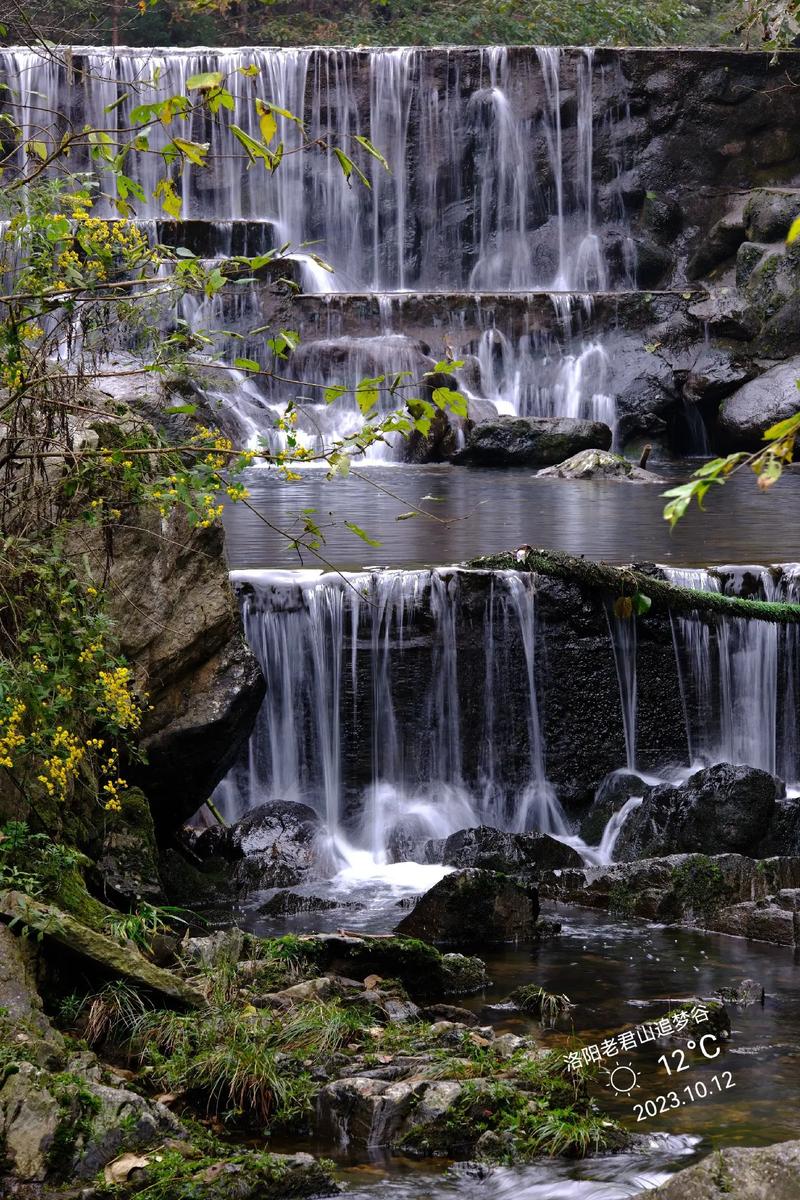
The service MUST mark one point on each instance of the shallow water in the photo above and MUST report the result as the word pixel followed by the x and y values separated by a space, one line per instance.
pixel 478 511
pixel 618 974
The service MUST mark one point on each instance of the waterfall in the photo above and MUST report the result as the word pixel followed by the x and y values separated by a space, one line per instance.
pixel 362 717
pixel 738 677
pixel 623 640
pixel 491 183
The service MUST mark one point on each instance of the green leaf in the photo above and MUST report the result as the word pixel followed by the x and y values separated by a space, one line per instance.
pixel 641 604
pixel 446 398
pixel 370 149
pixel 359 532
pixel 254 150
pixel 204 82
pixel 333 392
pixel 195 151
pixel 349 167
pixel 367 394
pixel 246 364
pixel 783 428
pixel 188 409
pixel 794 232
pixel 445 366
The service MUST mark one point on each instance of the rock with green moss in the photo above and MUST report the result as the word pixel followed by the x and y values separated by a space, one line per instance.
pixel 24 1028
pixel 53 923
pixel 600 464
pixel 728 893
pixel 62 1127
pixel 761 1173
pixel 474 907
pixel 128 861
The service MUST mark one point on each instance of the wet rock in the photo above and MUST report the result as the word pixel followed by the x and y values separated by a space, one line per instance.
pixel 728 893
pixel 474 907
pixel 128 862
pixel 744 993
pixel 720 244
pixel 271 847
pixel 765 1173
pixel 612 794
pixel 654 263
pixel 768 214
pixel 510 853
pixel 726 315
pixel 449 1012
pixel 719 809
pixel 531 441
pixel 177 623
pixel 289 904
pixel 599 464
pixel 437 446
pixel 463 975
pixel 364 1112
pixel 752 409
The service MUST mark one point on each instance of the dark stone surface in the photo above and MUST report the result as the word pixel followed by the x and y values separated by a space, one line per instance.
pixel 271 847
pixel 534 441
pixel 720 809
pixel 510 853
pixel 473 907
pixel 754 407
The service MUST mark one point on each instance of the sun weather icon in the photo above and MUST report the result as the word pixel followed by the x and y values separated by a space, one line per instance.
pixel 623 1079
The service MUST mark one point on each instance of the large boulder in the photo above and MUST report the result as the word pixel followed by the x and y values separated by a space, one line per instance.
pixel 510 853
pixel 761 1173
pixel 599 464
pixel 177 623
pixel 746 415
pixel 272 846
pixel 67 1127
pixel 474 907
pixel 531 441
pixel 720 809
pixel 20 1004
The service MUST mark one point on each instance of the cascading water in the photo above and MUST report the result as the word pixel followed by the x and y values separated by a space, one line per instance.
pixel 506 202
pixel 486 213
pixel 345 655
pixel 738 677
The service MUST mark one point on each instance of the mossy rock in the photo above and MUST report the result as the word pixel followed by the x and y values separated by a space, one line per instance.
pixel 128 862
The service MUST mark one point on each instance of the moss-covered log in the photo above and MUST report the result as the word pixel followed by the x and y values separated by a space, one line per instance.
pixel 626 581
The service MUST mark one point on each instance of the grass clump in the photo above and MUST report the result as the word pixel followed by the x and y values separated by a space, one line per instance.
pixel 542 1111
pixel 549 1007
pixel 247 1065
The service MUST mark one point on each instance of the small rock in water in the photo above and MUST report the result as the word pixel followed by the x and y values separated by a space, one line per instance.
pixel 743 993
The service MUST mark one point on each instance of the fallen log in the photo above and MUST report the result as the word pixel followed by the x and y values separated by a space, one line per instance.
pixel 629 580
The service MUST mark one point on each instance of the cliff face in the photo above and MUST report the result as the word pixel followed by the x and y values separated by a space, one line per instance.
pixel 177 623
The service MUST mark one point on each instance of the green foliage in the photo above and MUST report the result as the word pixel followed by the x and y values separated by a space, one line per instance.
pixel 32 863
pixel 141 925
pixel 541 1112
pixel 699 884
pixel 246 1064
pixel 407 22
pixel 549 1007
